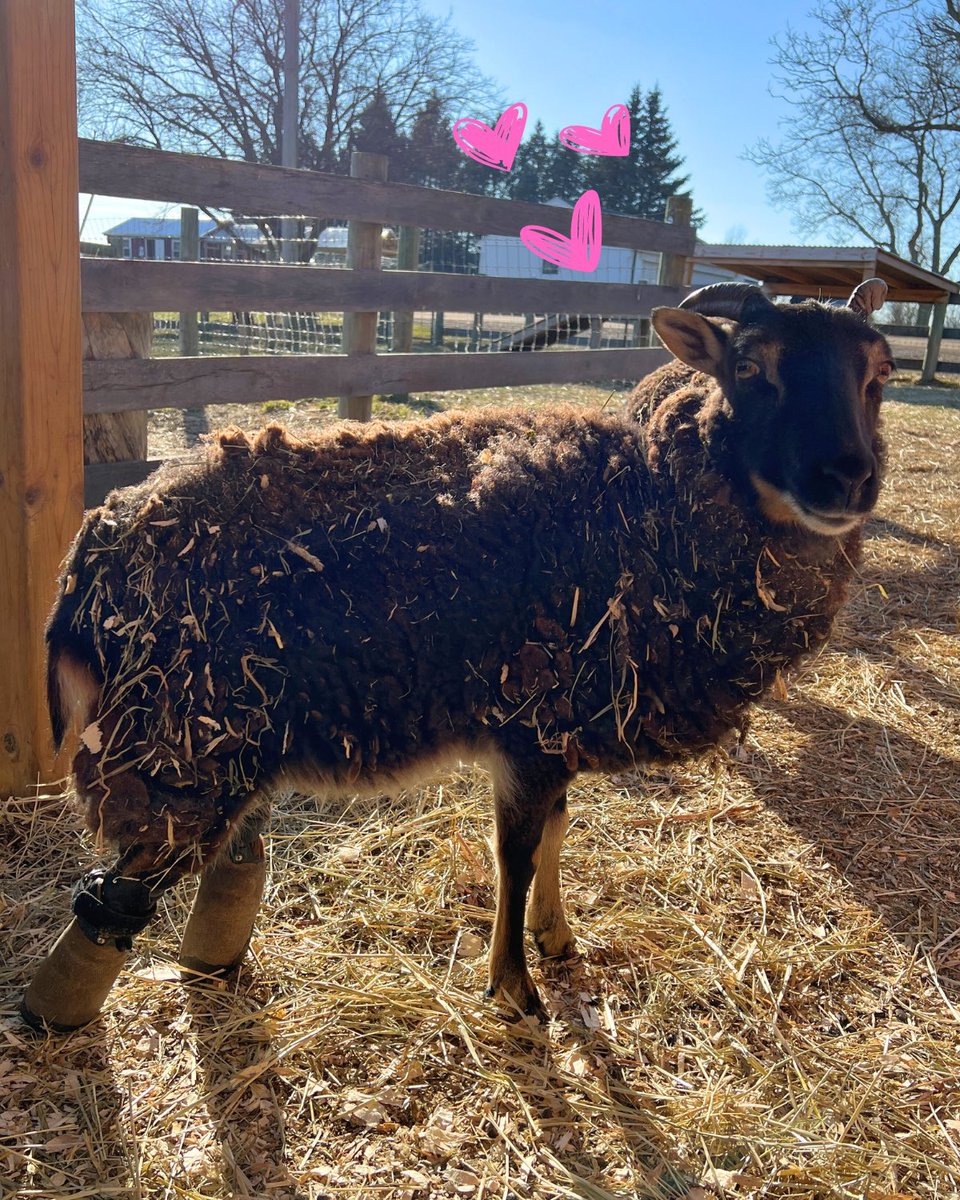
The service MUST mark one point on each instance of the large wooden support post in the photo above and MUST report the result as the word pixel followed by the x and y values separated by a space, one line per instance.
pixel 120 436
pixel 363 252
pixel 189 252
pixel 673 267
pixel 41 437
pixel 931 355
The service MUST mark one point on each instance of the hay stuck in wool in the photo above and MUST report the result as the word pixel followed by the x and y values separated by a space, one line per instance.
pixel 767 1002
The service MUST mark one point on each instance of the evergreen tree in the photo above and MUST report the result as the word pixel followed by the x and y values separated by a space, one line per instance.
pixel 568 174
pixel 615 178
pixel 638 185
pixel 376 130
pixel 656 159
pixel 531 168
pixel 430 155
pixel 432 158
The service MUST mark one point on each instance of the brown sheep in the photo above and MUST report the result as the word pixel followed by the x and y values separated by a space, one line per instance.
pixel 543 592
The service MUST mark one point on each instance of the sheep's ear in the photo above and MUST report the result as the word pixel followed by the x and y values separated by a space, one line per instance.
pixel 693 339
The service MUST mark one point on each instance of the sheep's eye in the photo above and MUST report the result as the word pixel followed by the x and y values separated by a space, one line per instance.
pixel 886 370
pixel 746 368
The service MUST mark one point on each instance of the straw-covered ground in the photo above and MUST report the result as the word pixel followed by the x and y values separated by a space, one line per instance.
pixel 766 1005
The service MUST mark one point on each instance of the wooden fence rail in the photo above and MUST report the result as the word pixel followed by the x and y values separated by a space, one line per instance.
pixel 117 285
pixel 121 385
pixel 122 285
pixel 113 169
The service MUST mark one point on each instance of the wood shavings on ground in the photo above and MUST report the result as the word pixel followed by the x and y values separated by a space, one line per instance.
pixel 767 1003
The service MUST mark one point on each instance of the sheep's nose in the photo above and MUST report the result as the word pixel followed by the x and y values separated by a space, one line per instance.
pixel 842 480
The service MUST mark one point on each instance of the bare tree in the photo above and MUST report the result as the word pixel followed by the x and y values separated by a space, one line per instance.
pixel 872 146
pixel 895 63
pixel 207 75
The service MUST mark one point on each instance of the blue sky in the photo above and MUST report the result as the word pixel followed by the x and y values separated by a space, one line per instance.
pixel 568 62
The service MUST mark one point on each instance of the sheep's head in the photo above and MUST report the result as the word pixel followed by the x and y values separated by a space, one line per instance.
pixel 804 384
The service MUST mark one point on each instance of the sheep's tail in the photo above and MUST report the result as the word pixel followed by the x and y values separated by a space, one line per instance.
pixel 73 693
pixel 73 683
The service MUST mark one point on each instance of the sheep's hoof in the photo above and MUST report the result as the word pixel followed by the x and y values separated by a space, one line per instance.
pixel 518 998
pixel 71 983
pixel 557 942
pixel 221 921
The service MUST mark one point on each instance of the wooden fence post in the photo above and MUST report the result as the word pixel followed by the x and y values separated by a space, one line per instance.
pixel 408 257
pixel 363 252
pixel 673 267
pixel 189 325
pixel 189 252
pixel 41 446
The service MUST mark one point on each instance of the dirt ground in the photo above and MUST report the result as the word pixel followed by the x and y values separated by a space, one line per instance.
pixel 766 1004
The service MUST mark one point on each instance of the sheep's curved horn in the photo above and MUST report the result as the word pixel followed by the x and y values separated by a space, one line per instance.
pixel 867 297
pixel 727 300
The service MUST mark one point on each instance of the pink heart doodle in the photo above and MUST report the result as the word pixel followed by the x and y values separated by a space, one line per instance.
pixel 581 250
pixel 495 147
pixel 612 139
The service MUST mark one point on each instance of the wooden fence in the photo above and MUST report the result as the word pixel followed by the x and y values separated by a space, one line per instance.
pixel 910 347
pixel 113 285
pixel 117 285
pixel 41 279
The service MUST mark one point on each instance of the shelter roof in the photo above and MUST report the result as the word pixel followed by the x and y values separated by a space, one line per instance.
pixel 830 271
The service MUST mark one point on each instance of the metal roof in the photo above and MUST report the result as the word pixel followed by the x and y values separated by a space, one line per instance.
pixel 169 227
pixel 830 271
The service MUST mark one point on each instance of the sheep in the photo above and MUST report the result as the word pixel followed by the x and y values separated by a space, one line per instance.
pixel 545 593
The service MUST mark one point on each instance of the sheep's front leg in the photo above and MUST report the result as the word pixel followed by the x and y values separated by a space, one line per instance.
pixel 524 797
pixel 546 918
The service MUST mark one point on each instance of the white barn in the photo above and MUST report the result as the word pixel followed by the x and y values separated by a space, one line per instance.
pixel 504 256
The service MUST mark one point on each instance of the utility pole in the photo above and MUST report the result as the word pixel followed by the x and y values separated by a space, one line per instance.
pixel 291 111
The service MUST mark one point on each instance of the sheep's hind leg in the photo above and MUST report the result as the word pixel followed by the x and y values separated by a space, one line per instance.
pixel 545 916
pixel 109 907
pixel 73 981
pixel 221 921
pixel 524 798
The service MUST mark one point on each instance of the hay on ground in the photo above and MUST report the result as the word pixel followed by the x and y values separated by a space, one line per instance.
pixel 767 1004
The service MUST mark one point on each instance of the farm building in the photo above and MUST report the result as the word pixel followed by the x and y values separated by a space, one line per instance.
pixel 159 238
pixel 825 270
pixel 508 257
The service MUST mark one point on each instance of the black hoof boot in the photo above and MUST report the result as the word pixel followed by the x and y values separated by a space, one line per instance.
pixel 221 921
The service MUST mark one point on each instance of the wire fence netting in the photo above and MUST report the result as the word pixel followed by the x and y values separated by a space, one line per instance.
pixel 324 244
